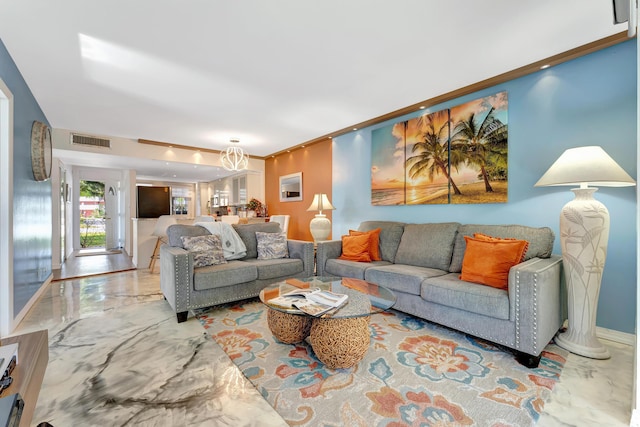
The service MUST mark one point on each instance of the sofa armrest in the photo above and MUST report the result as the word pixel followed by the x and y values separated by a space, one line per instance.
pixel 176 276
pixel 536 302
pixel 302 250
pixel 328 249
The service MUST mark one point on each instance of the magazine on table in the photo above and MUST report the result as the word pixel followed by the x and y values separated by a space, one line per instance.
pixel 312 301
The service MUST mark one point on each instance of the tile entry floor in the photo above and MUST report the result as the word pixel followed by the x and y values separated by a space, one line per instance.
pixel 118 357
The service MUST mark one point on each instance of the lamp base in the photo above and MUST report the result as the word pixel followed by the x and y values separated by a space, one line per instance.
pixel 320 227
pixel 582 344
pixel 584 233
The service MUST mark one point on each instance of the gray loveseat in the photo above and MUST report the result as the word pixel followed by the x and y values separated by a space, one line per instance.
pixel 187 288
pixel 421 264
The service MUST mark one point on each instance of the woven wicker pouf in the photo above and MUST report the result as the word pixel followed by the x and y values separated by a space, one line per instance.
pixel 288 328
pixel 340 343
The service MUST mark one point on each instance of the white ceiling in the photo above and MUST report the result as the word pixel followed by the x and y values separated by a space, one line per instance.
pixel 273 73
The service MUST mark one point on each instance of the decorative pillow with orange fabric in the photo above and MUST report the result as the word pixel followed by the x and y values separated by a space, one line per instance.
pixel 374 242
pixel 355 248
pixel 488 261
pixel 481 236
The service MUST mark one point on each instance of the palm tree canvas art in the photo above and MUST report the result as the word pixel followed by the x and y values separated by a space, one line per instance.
pixel 457 155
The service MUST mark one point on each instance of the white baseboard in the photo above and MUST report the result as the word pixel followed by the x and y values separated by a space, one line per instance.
pixel 635 418
pixel 616 336
pixel 30 303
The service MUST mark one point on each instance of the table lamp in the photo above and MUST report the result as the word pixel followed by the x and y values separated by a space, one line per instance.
pixel 320 226
pixel 584 234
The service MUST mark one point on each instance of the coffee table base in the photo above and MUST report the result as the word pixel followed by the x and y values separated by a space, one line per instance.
pixel 340 343
pixel 288 328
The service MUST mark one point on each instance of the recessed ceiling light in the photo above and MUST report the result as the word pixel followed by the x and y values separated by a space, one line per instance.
pixel 302 146
pixel 422 107
pixel 355 128
pixel 545 66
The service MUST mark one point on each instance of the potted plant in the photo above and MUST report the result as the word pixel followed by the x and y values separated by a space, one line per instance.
pixel 255 205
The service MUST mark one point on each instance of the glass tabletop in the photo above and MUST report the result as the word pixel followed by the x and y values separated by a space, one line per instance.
pixel 363 298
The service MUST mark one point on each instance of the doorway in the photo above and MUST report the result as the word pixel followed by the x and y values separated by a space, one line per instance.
pixel 92 223
pixel 98 207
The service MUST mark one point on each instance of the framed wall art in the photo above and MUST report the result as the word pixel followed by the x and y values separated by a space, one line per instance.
pixel 457 155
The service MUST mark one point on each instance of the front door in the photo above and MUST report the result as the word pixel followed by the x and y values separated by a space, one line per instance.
pixel 111 214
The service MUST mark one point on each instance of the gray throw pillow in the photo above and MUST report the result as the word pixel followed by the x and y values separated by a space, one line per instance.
pixel 272 245
pixel 207 250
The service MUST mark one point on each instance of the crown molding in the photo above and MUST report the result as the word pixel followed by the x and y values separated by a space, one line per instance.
pixel 475 87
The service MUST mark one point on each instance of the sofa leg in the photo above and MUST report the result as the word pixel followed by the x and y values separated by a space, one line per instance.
pixel 182 316
pixel 527 360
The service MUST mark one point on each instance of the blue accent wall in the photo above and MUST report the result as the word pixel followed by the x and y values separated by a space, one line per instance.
pixel 588 101
pixel 32 227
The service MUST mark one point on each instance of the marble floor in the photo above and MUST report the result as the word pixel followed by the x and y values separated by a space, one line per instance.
pixel 80 265
pixel 118 357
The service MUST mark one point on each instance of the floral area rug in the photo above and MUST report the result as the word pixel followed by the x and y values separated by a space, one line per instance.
pixel 415 373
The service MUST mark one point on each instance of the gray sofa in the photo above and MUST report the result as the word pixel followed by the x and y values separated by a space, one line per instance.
pixel 421 264
pixel 187 288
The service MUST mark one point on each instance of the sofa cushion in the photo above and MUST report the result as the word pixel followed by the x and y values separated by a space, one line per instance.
pixel 343 268
pixel 427 245
pixel 374 242
pixel 540 240
pixel 175 233
pixel 390 235
pixel 206 250
pixel 401 277
pixel 271 245
pixel 247 233
pixel 221 275
pixel 450 291
pixel 275 268
pixel 488 261
pixel 356 248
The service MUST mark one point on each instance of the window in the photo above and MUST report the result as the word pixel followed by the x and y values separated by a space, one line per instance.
pixel 180 205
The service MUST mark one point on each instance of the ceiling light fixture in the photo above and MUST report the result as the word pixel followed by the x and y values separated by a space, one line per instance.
pixel 234 158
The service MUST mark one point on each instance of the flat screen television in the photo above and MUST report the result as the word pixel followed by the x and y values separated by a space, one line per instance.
pixel 154 201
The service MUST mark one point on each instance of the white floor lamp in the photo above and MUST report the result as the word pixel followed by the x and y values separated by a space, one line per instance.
pixel 320 225
pixel 584 234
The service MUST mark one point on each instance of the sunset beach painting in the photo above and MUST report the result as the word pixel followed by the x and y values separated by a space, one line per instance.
pixel 457 155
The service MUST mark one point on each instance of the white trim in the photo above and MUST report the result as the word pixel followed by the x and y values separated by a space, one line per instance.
pixel 616 336
pixel 32 301
pixel 635 418
pixel 6 210
pixel 635 403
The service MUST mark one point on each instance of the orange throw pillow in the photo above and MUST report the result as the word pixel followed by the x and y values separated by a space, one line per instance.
pixel 374 242
pixel 355 248
pixel 481 236
pixel 488 262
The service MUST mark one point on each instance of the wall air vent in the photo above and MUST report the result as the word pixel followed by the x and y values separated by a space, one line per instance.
pixel 90 140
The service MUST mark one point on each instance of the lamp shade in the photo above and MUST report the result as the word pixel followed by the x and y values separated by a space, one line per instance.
pixel 583 166
pixel 320 203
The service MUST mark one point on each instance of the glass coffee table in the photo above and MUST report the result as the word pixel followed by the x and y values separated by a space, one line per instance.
pixel 339 338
